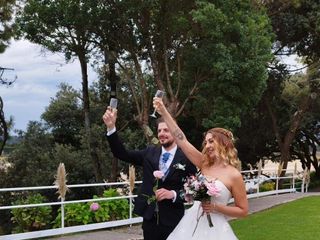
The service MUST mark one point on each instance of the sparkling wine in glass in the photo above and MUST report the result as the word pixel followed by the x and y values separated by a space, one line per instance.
pixel 158 94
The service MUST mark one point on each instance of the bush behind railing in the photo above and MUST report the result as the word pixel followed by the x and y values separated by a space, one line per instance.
pixel 31 219
pixel 39 218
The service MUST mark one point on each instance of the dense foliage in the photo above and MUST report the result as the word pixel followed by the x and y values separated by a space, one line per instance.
pixel 30 219
pixel 7 9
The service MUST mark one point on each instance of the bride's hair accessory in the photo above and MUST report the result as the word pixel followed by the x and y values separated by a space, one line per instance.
pixel 225 132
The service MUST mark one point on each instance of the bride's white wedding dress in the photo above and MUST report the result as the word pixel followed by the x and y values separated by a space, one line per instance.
pixel 221 230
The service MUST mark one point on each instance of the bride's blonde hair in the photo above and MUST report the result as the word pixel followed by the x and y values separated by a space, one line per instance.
pixel 224 148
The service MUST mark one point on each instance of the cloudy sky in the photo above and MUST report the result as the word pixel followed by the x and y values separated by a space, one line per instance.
pixel 38 77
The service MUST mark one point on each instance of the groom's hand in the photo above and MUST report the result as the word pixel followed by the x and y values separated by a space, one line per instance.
pixel 163 193
pixel 110 118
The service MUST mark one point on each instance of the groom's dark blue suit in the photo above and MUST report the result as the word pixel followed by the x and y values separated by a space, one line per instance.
pixel 170 212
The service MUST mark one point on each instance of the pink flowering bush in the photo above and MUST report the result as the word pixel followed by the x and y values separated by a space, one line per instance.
pixel 94 212
pixel 94 206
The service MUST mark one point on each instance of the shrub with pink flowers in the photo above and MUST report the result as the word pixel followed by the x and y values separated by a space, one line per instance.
pixel 94 207
pixel 95 212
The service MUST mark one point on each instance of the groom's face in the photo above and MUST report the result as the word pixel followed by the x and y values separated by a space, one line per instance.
pixel 164 135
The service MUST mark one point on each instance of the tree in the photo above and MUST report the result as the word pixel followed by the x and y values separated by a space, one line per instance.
pixel 64 116
pixel 234 48
pixel 3 128
pixel 297 96
pixel 63 26
pixel 296 32
pixel 7 9
pixel 306 145
pixel 4 125
pixel 199 52
pixel 306 142
pixel 296 26
pixel 192 50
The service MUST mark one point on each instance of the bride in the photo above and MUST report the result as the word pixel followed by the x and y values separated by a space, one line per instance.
pixel 219 163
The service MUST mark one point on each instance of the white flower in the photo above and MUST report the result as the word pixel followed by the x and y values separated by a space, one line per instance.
pixel 120 191
pixel 123 176
pixel 180 166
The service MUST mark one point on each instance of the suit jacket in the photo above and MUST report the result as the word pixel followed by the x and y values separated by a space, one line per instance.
pixel 170 212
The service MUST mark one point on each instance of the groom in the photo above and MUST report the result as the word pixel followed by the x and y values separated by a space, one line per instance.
pixel 153 158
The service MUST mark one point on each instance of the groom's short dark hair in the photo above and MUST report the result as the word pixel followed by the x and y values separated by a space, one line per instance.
pixel 161 120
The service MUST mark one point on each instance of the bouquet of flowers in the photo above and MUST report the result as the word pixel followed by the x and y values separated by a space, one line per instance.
pixel 200 189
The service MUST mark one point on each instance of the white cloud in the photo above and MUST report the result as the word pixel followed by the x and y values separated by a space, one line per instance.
pixel 38 76
pixel 293 62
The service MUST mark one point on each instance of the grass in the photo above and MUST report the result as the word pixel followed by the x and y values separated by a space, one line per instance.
pixel 297 220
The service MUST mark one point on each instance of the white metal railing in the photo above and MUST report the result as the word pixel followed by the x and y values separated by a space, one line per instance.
pixel 65 230
pixel 294 175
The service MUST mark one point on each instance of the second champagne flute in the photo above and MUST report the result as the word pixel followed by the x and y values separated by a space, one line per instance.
pixel 158 94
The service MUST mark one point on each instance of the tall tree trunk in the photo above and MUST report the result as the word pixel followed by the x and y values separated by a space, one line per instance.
pixel 314 143
pixel 114 169
pixel 87 124
pixel 284 145
pixel 110 59
pixel 3 128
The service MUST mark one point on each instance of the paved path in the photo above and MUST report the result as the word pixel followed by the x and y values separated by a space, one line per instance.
pixel 135 232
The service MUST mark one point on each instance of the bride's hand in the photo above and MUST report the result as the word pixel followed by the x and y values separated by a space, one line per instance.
pixel 159 105
pixel 208 207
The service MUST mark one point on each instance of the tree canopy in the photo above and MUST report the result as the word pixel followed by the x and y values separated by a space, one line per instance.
pixel 6 24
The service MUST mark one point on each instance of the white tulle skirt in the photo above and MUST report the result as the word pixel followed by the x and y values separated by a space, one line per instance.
pixel 190 228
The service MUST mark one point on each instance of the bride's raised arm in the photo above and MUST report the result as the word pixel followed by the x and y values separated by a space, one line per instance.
pixel 194 155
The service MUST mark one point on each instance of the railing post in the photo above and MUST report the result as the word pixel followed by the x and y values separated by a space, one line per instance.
pixel 307 180
pixel 132 179
pixel 259 175
pixel 130 206
pixel 62 213
pixel 61 183
pixel 294 176
pixel 293 182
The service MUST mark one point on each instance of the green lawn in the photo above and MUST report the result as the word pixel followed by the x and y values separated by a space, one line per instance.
pixel 295 220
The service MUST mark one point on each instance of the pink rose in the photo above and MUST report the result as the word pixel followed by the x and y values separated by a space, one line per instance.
pixel 158 174
pixel 94 207
pixel 213 190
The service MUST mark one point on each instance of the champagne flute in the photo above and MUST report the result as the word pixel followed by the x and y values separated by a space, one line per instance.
pixel 158 94
pixel 113 103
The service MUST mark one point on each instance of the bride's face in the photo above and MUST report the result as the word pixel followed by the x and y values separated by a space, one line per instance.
pixel 209 144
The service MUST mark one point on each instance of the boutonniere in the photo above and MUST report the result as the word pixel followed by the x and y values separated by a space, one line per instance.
pixel 180 166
